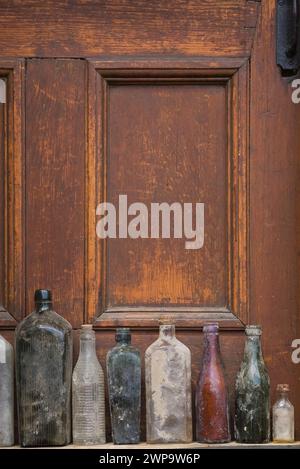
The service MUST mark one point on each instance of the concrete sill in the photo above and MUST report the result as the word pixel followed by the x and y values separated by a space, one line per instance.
pixel 194 445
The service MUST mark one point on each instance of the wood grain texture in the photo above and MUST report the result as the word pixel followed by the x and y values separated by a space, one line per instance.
pixel 274 212
pixel 86 28
pixel 168 131
pixel 12 186
pixel 55 146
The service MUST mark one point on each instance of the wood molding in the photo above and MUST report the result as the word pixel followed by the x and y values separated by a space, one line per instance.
pixel 13 220
pixel 233 74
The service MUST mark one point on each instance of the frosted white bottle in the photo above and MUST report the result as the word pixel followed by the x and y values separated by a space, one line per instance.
pixel 88 401
pixel 283 416
pixel 168 389
pixel 6 393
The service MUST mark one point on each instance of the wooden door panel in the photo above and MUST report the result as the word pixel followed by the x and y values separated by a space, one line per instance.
pixel 91 28
pixel 55 145
pixel 12 255
pixel 165 132
pixel 167 143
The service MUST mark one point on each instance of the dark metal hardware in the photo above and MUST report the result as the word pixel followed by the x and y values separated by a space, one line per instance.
pixel 288 36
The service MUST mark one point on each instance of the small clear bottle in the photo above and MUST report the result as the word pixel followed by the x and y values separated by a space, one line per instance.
pixel 283 416
pixel 88 393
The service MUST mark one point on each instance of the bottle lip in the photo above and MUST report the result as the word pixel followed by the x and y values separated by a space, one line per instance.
pixel 211 328
pixel 42 296
pixel 87 327
pixel 123 334
pixel 254 330
pixel 283 387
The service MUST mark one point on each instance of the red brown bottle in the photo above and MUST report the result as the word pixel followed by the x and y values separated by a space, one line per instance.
pixel 212 413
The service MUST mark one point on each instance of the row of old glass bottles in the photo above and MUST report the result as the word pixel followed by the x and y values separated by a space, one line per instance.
pixel 44 367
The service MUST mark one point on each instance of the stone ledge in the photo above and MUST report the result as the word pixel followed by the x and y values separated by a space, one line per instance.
pixel 194 445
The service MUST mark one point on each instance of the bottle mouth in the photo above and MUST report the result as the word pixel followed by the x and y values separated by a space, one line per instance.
pixel 283 388
pixel 123 334
pixel 86 332
pixel 253 330
pixel 211 328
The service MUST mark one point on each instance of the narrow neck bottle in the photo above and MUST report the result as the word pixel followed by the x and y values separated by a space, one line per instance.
pixel 87 343
pixel 43 301
pixel 123 336
pixel 211 355
pixel 167 332
pixel 253 349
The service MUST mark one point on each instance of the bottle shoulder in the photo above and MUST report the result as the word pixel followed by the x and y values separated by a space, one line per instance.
pixel 283 404
pixel 123 352
pixel 90 367
pixel 48 320
pixel 253 376
pixel 47 317
pixel 163 345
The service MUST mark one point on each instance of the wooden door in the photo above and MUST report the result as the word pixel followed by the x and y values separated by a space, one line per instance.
pixel 164 102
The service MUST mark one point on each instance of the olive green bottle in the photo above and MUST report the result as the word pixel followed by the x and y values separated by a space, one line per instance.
pixel 252 388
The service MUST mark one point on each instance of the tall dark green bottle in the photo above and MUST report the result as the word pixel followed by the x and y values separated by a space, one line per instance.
pixel 43 371
pixel 124 387
pixel 252 400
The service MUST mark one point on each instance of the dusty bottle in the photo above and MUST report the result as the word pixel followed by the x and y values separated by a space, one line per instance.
pixel 212 412
pixel 283 416
pixel 6 393
pixel 124 388
pixel 88 393
pixel 43 371
pixel 168 389
pixel 252 389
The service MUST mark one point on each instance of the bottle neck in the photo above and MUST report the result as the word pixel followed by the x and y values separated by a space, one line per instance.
pixel 42 306
pixel 282 395
pixel 87 347
pixel 167 332
pixel 253 349
pixel 211 347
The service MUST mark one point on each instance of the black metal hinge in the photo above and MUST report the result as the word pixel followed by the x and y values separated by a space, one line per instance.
pixel 288 36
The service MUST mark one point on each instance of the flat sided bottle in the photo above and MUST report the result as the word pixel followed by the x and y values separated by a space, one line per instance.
pixel 88 401
pixel 44 371
pixel 212 411
pixel 124 389
pixel 6 393
pixel 168 389
pixel 252 393
pixel 283 416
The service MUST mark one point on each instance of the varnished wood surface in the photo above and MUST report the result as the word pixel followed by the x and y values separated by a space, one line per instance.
pixel 274 209
pixel 55 168
pixel 86 28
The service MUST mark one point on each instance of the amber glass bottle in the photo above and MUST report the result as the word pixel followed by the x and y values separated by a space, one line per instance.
pixel 212 414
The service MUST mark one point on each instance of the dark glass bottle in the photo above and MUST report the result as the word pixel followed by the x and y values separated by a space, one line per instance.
pixel 124 388
pixel 212 413
pixel 252 388
pixel 43 371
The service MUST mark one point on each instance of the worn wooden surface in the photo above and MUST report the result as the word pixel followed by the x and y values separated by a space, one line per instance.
pixel 55 130
pixel 274 210
pixel 85 28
